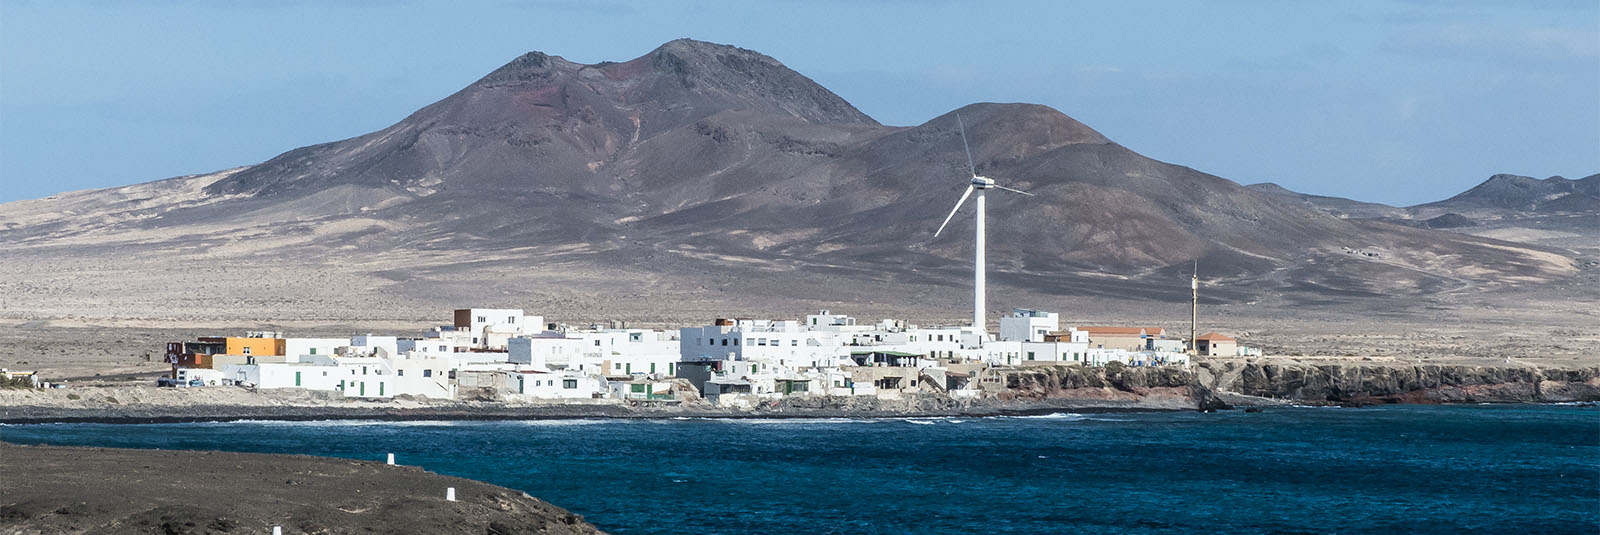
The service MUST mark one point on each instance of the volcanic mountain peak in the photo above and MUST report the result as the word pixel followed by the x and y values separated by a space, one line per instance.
pixel 1032 125
pixel 527 67
pixel 1516 192
pixel 541 121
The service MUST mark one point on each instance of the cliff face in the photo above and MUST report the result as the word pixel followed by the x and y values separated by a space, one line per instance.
pixel 1203 386
pixel 1402 384
pixel 1148 387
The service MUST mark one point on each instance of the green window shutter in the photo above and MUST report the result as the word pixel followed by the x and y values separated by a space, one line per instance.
pixel 297 378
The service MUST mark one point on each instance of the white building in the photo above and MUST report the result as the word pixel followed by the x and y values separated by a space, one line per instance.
pixel 490 328
pixel 367 344
pixel 1026 325
pixel 355 376
pixel 294 347
pixel 1055 352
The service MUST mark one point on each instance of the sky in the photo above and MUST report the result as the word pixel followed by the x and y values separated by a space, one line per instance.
pixel 1401 102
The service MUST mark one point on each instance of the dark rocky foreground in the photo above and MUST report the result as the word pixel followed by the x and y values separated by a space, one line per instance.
pixel 52 489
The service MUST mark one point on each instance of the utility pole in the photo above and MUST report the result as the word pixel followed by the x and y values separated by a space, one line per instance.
pixel 1194 310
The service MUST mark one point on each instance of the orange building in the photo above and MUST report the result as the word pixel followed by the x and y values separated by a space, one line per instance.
pixel 255 347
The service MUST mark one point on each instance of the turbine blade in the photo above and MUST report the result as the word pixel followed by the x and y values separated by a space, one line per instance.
pixel 970 166
pixel 953 211
pixel 1014 190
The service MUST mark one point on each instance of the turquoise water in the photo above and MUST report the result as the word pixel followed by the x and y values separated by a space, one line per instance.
pixel 1398 469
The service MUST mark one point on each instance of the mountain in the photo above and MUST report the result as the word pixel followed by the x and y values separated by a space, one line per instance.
pixel 702 177
pixel 1555 211
pixel 1513 193
pixel 1337 206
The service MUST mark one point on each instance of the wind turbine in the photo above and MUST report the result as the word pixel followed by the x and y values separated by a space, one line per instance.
pixel 982 185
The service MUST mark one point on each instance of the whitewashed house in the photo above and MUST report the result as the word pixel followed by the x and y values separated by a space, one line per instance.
pixel 490 328
pixel 294 347
pixel 1027 325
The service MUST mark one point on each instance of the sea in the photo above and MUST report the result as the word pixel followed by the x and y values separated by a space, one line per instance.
pixel 1523 469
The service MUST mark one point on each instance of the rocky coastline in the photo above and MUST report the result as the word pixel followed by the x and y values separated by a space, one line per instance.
pixel 1208 385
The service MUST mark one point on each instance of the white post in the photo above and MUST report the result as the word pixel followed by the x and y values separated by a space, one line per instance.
pixel 277 530
pixel 977 272
pixel 391 459
pixel 450 494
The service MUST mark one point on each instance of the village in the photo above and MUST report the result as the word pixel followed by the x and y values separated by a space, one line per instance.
pixel 508 355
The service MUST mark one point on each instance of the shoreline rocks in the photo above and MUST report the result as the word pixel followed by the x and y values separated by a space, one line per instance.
pixel 1208 385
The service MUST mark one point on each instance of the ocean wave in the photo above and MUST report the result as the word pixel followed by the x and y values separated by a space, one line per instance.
pixel 334 423
pixel 1071 416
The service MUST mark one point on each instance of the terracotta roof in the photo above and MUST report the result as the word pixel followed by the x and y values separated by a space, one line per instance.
pixel 1127 331
pixel 1215 337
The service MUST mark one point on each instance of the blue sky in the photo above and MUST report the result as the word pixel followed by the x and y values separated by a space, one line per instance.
pixel 1393 101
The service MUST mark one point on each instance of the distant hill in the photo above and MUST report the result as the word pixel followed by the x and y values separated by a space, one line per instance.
pixel 1554 211
pixel 706 171
pixel 1524 194
pixel 1337 206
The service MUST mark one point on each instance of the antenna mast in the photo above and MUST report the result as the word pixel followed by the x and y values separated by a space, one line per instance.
pixel 1194 310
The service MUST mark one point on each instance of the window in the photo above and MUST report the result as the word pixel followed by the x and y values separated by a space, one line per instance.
pixel 427 373
pixel 482 319
pixel 794 342
pixel 616 366
pixel 749 341
pixel 724 341
pixel 324 374
pixel 1030 355
pixel 401 373
pixel 735 341
pixel 597 342
pixel 569 384
pixel 363 370
pixel 247 350
pixel 313 351
pixel 511 319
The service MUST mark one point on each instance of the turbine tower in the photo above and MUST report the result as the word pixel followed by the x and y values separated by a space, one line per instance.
pixel 982 185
